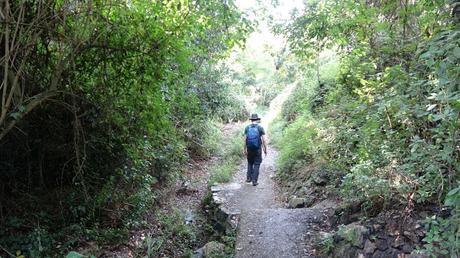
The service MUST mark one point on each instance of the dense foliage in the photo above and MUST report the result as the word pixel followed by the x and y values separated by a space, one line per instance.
pixel 390 118
pixel 102 101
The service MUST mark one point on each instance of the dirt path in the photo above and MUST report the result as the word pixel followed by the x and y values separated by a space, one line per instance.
pixel 266 228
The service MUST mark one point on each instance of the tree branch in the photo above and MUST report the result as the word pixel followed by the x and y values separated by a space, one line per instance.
pixel 37 100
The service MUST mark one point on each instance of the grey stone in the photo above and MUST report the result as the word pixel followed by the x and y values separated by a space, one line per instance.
pixel 216 188
pixel 412 236
pixel 309 201
pixel 296 202
pixel 225 187
pixel 233 221
pixel 344 250
pixel 398 242
pixel 406 248
pixel 320 179
pixel 213 249
pixel 414 255
pixel 355 233
pixel 223 214
pixel 381 244
pixel 325 235
pixel 369 247
pixel 389 253
pixel 421 232
pixel 217 199
pixel 189 217
pixel 377 227
pixel 198 253
pixel 380 254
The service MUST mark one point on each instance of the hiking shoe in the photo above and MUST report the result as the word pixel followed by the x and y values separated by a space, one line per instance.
pixel 254 183
pixel 248 180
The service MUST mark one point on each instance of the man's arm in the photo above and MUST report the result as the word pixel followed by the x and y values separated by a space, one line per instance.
pixel 263 139
pixel 245 149
pixel 264 143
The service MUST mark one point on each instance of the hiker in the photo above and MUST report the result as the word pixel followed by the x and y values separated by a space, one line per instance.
pixel 254 141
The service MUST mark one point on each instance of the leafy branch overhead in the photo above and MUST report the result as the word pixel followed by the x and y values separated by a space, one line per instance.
pixel 104 95
pixel 54 46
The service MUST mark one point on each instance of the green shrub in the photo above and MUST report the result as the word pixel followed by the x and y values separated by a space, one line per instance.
pixel 276 130
pixel 297 145
pixel 443 234
pixel 326 243
pixel 172 226
pixel 222 173
pixel 203 138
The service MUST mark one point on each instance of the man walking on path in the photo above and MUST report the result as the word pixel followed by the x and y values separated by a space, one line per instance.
pixel 254 141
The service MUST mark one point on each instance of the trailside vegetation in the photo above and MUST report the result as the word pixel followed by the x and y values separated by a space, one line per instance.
pixel 389 118
pixel 101 103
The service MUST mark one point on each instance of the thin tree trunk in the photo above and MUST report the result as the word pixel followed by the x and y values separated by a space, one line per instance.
pixel 318 75
pixel 6 61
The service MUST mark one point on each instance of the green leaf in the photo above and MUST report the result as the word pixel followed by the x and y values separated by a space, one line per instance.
pixel 455 103
pixel 430 107
pixel 15 115
pixel 452 197
pixel 74 254
pixel 457 52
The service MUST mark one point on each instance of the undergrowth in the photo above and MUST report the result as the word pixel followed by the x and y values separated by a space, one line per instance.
pixel 173 237
pixel 229 153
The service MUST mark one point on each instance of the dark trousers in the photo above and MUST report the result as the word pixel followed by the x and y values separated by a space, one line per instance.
pixel 254 160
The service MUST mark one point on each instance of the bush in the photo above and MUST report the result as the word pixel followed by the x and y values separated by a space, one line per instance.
pixel 171 226
pixel 204 138
pixel 443 234
pixel 297 146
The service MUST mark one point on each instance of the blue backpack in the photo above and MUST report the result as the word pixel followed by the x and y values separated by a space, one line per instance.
pixel 253 137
